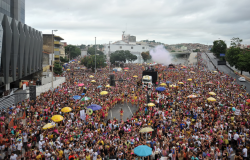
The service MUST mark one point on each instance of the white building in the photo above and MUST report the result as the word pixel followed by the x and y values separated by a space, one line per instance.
pixel 133 48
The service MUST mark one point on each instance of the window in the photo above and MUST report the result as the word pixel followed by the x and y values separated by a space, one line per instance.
pixel 132 48
pixel 120 47
pixel 143 47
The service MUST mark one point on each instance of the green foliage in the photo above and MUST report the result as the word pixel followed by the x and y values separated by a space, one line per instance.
pixel 57 69
pixel 219 46
pixel 145 56
pixel 122 56
pixel 89 61
pixel 82 46
pixel 232 55
pixel 173 51
pixel 91 51
pixel 243 63
pixel 197 50
pixel 64 60
pixel 235 42
pixel 73 51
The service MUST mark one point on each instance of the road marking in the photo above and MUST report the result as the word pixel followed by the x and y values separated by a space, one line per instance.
pixel 130 110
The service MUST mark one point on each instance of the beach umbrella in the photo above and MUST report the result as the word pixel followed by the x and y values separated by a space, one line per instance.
pixel 83 94
pixel 49 126
pixel 163 84
pixel 93 81
pixel 99 86
pixel 146 130
pixel 192 96
pixel 189 79
pixel 173 86
pixel 85 98
pixel 180 83
pixel 126 68
pixel 212 93
pixel 80 85
pixel 248 100
pixel 57 118
pixel 68 69
pixel 66 109
pixel 211 99
pixel 160 89
pixel 168 82
pixel 103 93
pixel 107 86
pixel 192 72
pixel 94 107
pixel 151 104
pixel 91 76
pixel 135 76
pixel 76 97
pixel 215 71
pixel 143 151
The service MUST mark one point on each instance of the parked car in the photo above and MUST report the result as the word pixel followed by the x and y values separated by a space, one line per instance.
pixel 242 79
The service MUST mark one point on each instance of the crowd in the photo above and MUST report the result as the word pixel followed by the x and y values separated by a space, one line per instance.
pixel 187 126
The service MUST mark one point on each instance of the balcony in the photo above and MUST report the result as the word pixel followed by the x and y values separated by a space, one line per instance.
pixel 56 42
pixel 56 49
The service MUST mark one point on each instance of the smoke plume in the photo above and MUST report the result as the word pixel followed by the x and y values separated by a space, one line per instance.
pixel 160 55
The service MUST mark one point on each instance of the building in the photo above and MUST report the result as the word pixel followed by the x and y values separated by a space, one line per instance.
pixel 20 51
pixel 14 9
pixel 127 38
pixel 53 45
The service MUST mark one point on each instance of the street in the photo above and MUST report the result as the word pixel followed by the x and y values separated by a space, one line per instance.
pixel 128 111
pixel 223 68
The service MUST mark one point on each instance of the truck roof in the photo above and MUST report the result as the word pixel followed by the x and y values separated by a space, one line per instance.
pixel 147 77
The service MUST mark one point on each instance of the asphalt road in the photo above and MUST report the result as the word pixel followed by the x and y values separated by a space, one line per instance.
pixel 223 68
pixel 128 111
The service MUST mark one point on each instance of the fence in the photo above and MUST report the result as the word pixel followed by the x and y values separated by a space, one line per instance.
pixel 21 95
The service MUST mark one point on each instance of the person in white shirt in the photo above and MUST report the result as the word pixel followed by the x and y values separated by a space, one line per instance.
pixel 19 147
pixel 40 145
pixel 244 152
pixel 47 155
pixel 13 156
pixel 235 138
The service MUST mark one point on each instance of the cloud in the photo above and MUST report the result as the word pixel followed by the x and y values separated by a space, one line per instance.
pixel 170 22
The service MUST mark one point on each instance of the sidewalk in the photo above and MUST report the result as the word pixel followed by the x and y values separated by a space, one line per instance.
pixel 236 71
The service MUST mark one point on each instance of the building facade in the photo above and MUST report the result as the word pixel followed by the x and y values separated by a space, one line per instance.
pixel 53 44
pixel 20 51
pixel 17 10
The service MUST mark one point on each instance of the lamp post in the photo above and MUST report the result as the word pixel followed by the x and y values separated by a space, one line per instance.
pixel 52 57
pixel 109 56
pixel 95 55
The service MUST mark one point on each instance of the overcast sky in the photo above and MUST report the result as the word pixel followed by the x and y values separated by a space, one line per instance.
pixel 167 21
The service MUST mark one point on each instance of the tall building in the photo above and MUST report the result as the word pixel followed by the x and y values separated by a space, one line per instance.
pixel 14 9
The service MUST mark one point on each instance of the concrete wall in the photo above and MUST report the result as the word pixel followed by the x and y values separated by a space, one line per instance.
pixel 47 43
pixel 45 59
pixel 46 87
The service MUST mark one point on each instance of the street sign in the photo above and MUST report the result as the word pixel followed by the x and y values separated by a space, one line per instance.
pixel 222 54
pixel 32 93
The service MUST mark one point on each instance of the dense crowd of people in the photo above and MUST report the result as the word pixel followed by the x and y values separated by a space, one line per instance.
pixel 187 126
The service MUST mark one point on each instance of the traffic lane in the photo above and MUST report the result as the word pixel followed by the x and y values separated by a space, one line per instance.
pixel 208 63
pixel 226 70
pixel 128 111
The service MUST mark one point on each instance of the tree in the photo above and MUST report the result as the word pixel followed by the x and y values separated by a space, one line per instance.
pixel 82 46
pixel 243 63
pixel 232 55
pixel 64 60
pixel 73 51
pixel 91 51
pixel 57 68
pixel 197 50
pixel 89 61
pixel 117 56
pixel 145 56
pixel 235 42
pixel 129 56
pixel 219 46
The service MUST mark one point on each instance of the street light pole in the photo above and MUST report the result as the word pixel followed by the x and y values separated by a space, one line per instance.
pixel 52 57
pixel 95 55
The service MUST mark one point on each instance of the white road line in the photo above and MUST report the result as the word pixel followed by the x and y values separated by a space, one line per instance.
pixel 130 110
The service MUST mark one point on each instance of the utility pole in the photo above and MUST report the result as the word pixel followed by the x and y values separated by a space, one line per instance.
pixel 95 55
pixel 52 58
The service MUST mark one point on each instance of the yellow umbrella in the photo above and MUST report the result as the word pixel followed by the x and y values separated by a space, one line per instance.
pixel 66 109
pixel 192 72
pixel 103 92
pixel 163 84
pixel 212 93
pixel 211 99
pixel 91 76
pixel 57 118
pixel 180 83
pixel 135 76
pixel 215 71
pixel 151 104
pixel 146 130
pixel 107 86
pixel 93 81
pixel 189 79
pixel 172 86
pixel 48 126
pixel 68 69
pixel 125 70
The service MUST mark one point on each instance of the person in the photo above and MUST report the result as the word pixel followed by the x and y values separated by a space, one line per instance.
pixel 244 153
pixel 121 113
pixel 13 156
